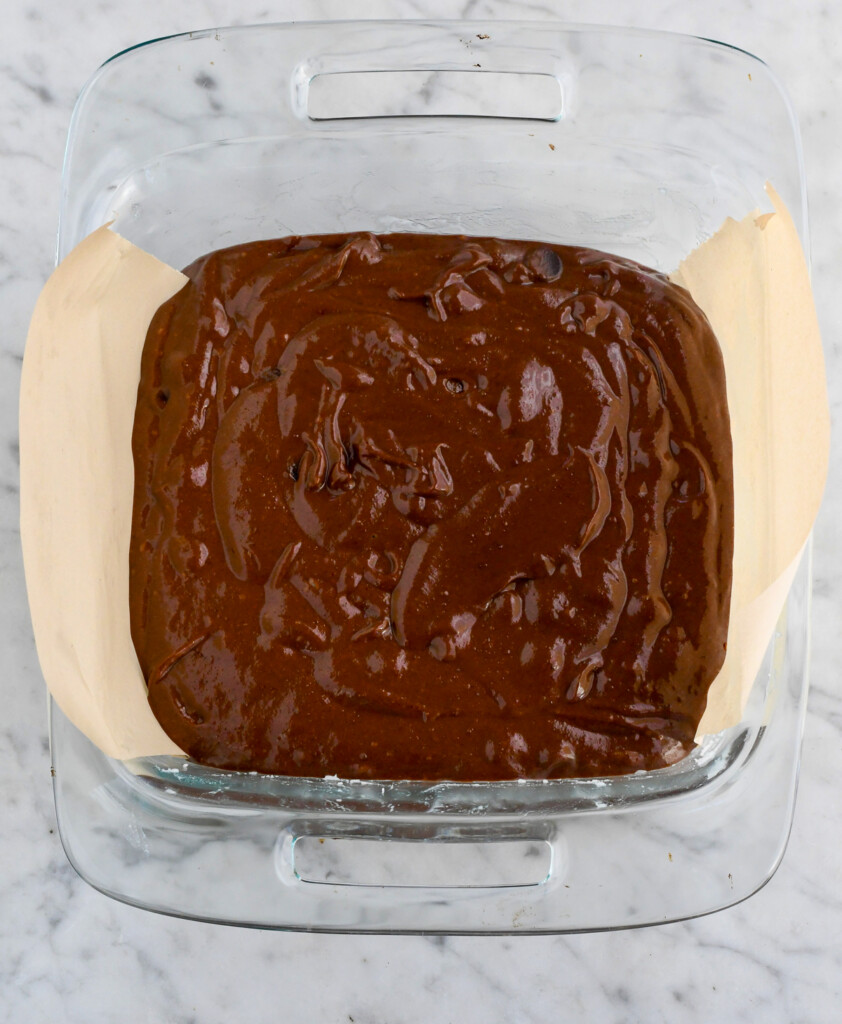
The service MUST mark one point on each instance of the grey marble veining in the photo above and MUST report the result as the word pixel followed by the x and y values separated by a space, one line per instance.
pixel 69 954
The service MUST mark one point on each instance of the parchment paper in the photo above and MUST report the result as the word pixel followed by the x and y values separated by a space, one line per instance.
pixel 751 280
pixel 78 395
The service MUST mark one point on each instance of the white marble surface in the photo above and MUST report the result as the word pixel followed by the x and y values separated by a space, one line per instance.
pixel 69 954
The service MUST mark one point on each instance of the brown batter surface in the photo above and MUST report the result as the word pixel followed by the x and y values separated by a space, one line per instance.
pixel 412 506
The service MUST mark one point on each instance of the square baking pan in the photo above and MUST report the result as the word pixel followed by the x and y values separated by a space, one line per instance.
pixel 633 142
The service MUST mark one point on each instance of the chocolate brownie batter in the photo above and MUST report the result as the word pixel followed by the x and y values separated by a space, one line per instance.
pixel 424 507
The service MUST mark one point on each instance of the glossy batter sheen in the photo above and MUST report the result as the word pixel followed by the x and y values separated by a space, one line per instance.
pixel 412 506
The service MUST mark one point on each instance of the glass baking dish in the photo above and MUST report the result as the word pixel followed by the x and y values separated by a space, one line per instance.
pixel 635 142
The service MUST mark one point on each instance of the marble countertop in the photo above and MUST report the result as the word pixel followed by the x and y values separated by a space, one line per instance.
pixel 68 953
